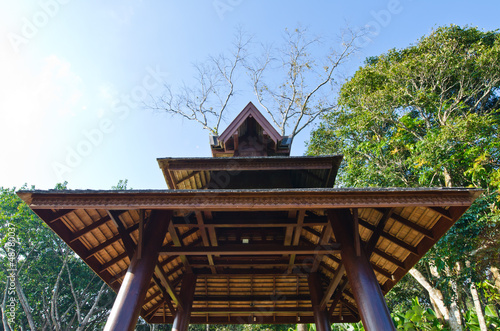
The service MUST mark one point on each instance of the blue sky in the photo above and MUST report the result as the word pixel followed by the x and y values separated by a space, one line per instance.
pixel 73 73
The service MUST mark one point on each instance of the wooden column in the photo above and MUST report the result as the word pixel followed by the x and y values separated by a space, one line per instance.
pixel 369 298
pixel 320 315
pixel 181 321
pixel 128 303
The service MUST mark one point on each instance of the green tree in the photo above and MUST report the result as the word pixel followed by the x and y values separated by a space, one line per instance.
pixel 428 115
pixel 52 289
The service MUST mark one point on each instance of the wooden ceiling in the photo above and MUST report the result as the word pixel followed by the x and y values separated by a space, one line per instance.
pixel 251 250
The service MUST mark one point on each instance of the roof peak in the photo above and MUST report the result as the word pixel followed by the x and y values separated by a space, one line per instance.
pixel 250 134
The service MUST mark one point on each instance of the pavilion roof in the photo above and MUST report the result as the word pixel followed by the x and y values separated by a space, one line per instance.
pixel 252 249
pixel 250 172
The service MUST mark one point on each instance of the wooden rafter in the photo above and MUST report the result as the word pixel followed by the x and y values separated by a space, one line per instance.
pixel 80 233
pixel 206 241
pixel 108 242
pixel 178 243
pixel 324 238
pixel 338 295
pixel 162 276
pixel 164 292
pixel 378 230
pixel 334 283
pixel 296 236
pixel 128 242
pixel 390 237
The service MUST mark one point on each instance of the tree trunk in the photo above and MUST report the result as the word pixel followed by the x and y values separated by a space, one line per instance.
pixel 477 303
pixel 496 277
pixel 6 326
pixel 435 294
pixel 436 309
pixel 447 178
pixel 25 304
pixel 301 327
pixel 83 324
pixel 455 316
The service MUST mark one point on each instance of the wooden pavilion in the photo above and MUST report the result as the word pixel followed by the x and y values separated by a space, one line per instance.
pixel 251 235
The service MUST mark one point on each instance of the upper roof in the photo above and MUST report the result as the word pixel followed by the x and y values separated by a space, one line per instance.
pixel 250 172
pixel 250 134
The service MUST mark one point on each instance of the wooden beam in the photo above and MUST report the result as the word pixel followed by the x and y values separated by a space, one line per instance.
pixel 334 283
pixel 369 298
pixel 414 226
pixel 265 221
pixel 250 298
pixel 163 291
pixel 389 258
pixel 211 231
pixel 113 261
pixel 108 242
pixel 128 303
pixel 140 242
pixel 337 296
pixel 54 216
pixel 250 319
pixel 372 242
pixel 296 237
pixel 206 240
pixel 168 287
pixel 251 310
pixel 443 212
pixel 324 239
pixel 391 238
pixel 321 318
pixel 80 233
pixel 357 239
pixel 283 200
pixel 181 321
pixel 249 249
pixel 178 243
pixel 160 302
pixel 297 271
pixel 194 173
pixel 128 242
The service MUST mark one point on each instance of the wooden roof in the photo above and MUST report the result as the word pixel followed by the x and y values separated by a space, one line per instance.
pixel 250 172
pixel 250 111
pixel 250 134
pixel 251 249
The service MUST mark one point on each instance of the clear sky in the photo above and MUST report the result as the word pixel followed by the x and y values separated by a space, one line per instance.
pixel 72 74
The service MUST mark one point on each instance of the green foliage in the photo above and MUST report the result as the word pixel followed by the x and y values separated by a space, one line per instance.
pixel 122 185
pixel 40 257
pixel 426 116
pixel 418 117
pixel 491 317
pixel 417 318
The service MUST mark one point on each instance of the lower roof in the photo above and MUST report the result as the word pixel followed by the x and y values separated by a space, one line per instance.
pixel 251 249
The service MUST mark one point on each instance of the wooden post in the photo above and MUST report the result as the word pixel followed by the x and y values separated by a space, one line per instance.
pixel 369 298
pixel 320 315
pixel 181 321
pixel 129 301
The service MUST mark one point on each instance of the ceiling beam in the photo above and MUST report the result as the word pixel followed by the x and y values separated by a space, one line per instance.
pixel 249 249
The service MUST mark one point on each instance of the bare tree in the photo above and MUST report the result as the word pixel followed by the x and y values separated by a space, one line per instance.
pixel 293 82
